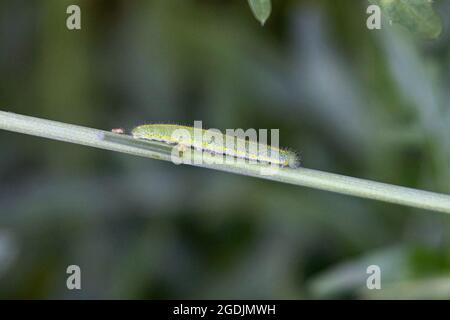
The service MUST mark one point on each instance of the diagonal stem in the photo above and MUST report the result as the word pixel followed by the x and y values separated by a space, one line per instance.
pixel 157 150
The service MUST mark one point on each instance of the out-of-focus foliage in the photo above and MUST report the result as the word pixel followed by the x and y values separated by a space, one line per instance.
pixel 372 104
pixel 417 16
pixel 261 9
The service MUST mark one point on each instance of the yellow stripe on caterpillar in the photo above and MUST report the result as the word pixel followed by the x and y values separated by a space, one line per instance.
pixel 217 143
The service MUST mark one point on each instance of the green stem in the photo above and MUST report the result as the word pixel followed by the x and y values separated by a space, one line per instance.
pixel 156 150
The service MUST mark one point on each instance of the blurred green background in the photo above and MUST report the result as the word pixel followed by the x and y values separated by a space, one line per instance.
pixel 371 104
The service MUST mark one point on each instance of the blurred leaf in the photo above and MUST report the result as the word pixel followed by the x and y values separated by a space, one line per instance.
pixel 8 250
pixel 417 16
pixel 418 85
pixel 428 288
pixel 261 9
pixel 351 275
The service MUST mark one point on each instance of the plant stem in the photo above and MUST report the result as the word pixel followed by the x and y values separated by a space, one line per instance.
pixel 157 150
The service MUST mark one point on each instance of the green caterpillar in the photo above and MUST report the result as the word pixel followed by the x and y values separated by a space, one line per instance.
pixel 168 133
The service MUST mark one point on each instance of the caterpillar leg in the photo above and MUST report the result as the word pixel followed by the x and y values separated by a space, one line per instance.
pixel 181 149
